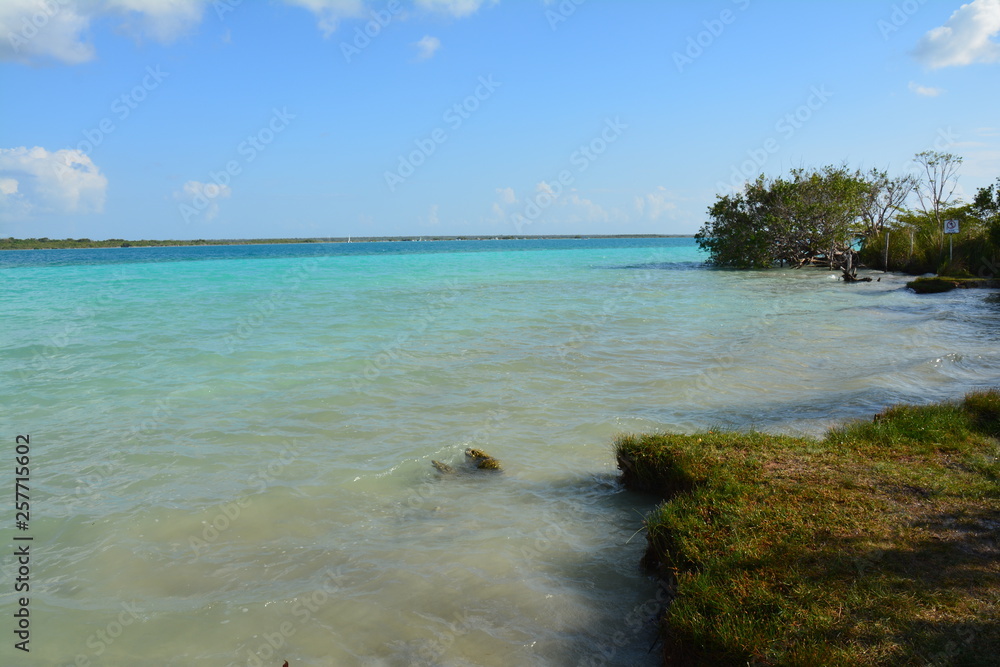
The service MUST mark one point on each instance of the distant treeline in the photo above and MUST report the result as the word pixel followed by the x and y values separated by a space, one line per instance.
pixel 47 243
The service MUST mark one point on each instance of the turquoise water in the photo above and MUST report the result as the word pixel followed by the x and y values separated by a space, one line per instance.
pixel 231 446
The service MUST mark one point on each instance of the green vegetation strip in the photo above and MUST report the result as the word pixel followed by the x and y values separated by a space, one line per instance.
pixel 938 284
pixel 876 545
pixel 54 244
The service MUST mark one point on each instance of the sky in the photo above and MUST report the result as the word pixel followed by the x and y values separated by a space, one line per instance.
pixel 221 119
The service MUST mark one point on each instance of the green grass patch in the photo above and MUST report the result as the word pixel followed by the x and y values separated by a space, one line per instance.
pixel 876 545
pixel 938 284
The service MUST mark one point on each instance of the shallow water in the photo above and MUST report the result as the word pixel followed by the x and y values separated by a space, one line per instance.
pixel 235 444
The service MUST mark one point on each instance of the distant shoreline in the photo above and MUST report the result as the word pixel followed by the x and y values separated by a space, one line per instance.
pixel 63 244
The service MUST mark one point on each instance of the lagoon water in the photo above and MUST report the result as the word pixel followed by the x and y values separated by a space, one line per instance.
pixel 231 446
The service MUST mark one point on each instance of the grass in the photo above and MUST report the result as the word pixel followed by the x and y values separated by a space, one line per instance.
pixel 937 284
pixel 876 545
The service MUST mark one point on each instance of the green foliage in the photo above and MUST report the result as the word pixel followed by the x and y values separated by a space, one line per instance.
pixel 918 244
pixel 872 546
pixel 811 214
pixel 737 236
pixel 987 207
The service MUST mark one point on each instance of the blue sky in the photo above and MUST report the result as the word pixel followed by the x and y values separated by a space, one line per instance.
pixel 296 118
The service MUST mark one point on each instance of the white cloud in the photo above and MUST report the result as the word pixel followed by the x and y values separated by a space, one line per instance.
pixel 36 30
pixel 654 204
pixel 507 195
pixel 965 38
pixel 41 30
pixel 432 215
pixel 163 20
pixel 197 198
pixel 330 12
pixel 457 8
pixel 62 181
pixel 578 209
pixel 427 47
pixel 926 91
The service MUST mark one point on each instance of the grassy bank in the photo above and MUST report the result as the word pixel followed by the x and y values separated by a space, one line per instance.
pixel 939 284
pixel 876 545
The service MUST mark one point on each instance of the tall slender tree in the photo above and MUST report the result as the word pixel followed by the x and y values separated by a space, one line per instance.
pixel 936 189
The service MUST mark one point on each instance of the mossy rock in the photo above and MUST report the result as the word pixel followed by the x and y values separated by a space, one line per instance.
pixel 476 459
pixel 481 460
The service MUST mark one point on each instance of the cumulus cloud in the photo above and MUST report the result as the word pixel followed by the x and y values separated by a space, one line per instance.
pixel 162 20
pixel 507 195
pixel 654 204
pixel 966 38
pixel 329 13
pixel 457 8
pixel 925 91
pixel 432 215
pixel 551 203
pixel 35 180
pixel 200 199
pixel 427 47
pixel 39 31
pixel 579 209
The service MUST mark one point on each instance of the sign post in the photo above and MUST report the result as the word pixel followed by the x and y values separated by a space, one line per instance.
pixel 950 227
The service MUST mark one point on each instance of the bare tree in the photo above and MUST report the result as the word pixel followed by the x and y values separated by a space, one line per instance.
pixel 883 198
pixel 935 193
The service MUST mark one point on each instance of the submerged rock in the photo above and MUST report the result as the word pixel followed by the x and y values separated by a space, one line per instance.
pixel 442 467
pixel 476 459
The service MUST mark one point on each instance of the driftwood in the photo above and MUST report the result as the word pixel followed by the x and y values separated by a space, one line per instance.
pixel 850 269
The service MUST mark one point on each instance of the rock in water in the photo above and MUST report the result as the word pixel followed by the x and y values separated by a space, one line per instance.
pixel 482 460
pixel 477 459
pixel 442 467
